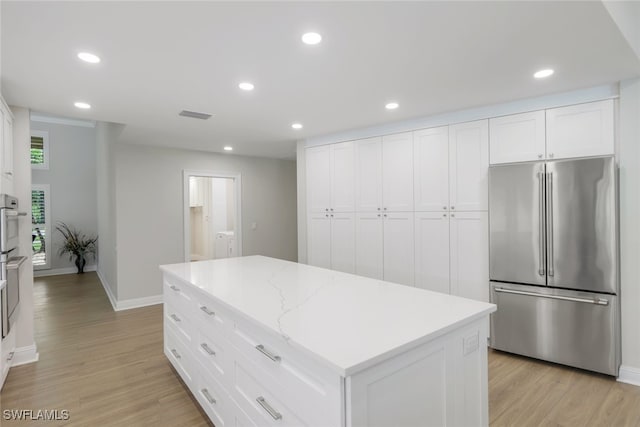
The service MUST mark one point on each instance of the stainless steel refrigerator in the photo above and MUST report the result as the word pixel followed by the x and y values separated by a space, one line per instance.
pixel 554 261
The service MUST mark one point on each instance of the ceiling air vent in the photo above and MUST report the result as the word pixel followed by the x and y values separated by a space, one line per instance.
pixel 195 115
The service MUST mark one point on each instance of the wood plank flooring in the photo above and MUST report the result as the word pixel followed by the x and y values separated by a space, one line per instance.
pixel 107 368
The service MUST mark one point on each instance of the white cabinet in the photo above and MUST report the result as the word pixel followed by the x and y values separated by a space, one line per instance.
pixel 342 177
pixel 330 178
pixel 7 352
pixel 6 149
pixel 331 241
pixel 469 255
pixel 431 169
pixel 369 245
pixel 432 251
pixel 318 178
pixel 319 240
pixel 580 130
pixel 384 174
pixel 517 138
pixel 469 166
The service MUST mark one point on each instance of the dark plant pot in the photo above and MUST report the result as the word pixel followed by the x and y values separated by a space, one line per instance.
pixel 80 262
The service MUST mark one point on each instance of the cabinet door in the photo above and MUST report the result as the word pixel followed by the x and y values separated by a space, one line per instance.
pixel 517 138
pixel 397 172
pixel 398 248
pixel 432 251
pixel 319 240
pixel 469 255
pixel 369 245
pixel 342 177
pixel 7 148
pixel 431 169
pixel 318 178
pixel 468 166
pixel 580 130
pixel 368 175
pixel 343 242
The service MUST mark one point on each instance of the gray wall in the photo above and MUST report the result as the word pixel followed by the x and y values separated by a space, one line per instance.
pixel 149 210
pixel 72 178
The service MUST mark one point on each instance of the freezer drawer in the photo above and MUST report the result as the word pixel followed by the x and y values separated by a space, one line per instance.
pixel 579 329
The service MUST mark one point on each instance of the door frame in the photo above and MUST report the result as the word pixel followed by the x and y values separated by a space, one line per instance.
pixel 237 180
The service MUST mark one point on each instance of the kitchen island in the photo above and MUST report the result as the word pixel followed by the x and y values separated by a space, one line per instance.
pixel 261 341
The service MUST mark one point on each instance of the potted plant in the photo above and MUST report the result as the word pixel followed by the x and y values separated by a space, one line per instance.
pixel 77 245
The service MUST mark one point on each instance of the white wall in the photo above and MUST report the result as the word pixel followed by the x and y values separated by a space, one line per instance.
pixel 149 205
pixel 72 180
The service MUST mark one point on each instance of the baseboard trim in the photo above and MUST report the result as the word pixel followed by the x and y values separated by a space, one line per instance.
pixel 24 355
pixel 629 375
pixel 59 271
pixel 127 304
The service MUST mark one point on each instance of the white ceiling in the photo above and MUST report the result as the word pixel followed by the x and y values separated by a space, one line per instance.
pixel 161 57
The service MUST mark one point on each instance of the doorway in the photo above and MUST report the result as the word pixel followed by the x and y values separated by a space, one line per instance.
pixel 212 216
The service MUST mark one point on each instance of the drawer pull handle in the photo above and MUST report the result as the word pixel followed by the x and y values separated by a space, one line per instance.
pixel 176 354
pixel 265 405
pixel 206 348
pixel 175 288
pixel 208 396
pixel 207 311
pixel 176 318
pixel 271 356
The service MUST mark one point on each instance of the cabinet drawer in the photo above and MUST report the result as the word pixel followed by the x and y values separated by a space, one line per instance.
pixel 178 295
pixel 178 355
pixel 214 354
pixel 211 316
pixel 182 324
pixel 213 398
pixel 309 388
pixel 261 404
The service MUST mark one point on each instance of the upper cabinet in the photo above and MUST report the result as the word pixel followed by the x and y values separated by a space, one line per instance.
pixel 468 166
pixel 581 130
pixel 431 169
pixel 342 177
pixel 330 178
pixel 517 138
pixel 319 178
pixel 6 149
pixel 369 175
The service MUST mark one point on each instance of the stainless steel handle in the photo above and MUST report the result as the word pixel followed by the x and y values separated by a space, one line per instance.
pixel 10 358
pixel 270 355
pixel 453 207
pixel 206 348
pixel 444 207
pixel 9 173
pixel 175 353
pixel 207 311
pixel 597 301
pixel 265 405
pixel 385 209
pixel 541 267
pixel 550 224
pixel 208 396
pixel 175 317
pixel 22 214
pixel 175 288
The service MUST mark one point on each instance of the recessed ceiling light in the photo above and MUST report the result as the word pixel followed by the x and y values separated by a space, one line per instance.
pixel 89 57
pixel 311 38
pixel 543 73
pixel 246 86
pixel 82 105
pixel 391 106
pixel 228 148
pixel 297 126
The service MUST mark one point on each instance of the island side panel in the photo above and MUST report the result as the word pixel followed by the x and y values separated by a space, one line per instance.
pixel 443 383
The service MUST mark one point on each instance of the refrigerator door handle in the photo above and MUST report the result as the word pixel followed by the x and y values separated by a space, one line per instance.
pixel 541 230
pixel 597 301
pixel 550 224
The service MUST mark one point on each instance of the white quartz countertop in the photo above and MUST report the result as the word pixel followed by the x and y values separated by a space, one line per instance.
pixel 346 321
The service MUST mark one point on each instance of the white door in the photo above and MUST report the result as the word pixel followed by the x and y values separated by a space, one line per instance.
pixel 431 169
pixel 342 177
pixel 432 251
pixel 319 240
pixel 369 254
pixel 517 138
pixel 343 242
pixel 468 166
pixel 369 175
pixel 397 172
pixel 318 178
pixel 580 130
pixel 398 247
pixel 469 255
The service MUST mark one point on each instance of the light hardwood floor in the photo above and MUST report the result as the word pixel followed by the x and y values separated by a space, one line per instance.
pixel 107 368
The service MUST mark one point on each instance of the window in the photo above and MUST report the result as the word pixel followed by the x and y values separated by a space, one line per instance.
pixel 40 227
pixel 39 149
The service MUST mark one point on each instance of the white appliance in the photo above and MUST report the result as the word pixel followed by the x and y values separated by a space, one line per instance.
pixel 225 244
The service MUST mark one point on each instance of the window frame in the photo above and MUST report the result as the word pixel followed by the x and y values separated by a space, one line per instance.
pixel 47 226
pixel 45 148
